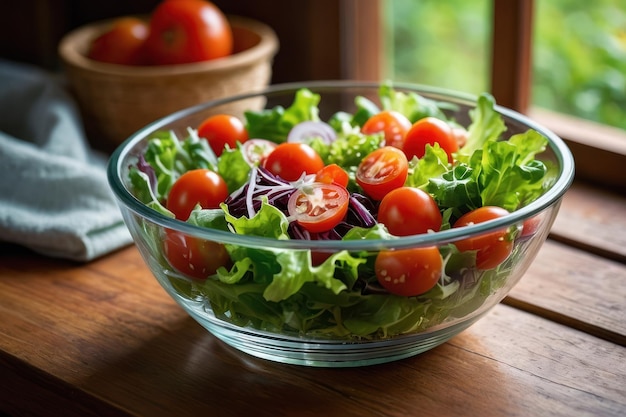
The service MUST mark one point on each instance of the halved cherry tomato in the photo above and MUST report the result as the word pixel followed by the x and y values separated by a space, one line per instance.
pixel 492 248
pixel 122 44
pixel 409 272
pixel 319 207
pixel 194 257
pixel 428 131
pixel 290 160
pixel 198 186
pixel 255 151
pixel 333 174
pixel 381 171
pixel 409 211
pixel 185 31
pixel 393 124
pixel 221 130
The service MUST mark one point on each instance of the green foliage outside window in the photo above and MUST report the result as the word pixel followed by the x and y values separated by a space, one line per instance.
pixel 440 43
pixel 579 57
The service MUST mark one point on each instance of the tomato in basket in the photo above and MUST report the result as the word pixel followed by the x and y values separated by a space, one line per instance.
pixel 122 44
pixel 185 31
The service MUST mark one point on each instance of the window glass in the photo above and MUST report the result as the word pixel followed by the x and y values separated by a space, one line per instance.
pixel 579 59
pixel 440 43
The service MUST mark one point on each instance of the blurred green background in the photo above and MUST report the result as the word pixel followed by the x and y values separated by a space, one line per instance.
pixel 579 56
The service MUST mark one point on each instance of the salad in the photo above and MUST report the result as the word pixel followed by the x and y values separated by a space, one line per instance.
pixel 395 167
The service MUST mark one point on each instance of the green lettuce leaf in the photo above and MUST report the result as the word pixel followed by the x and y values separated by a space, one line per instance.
pixel 267 222
pixel 414 106
pixel 304 107
pixel 233 168
pixel 143 191
pixel 171 157
pixel 297 269
pixel 365 108
pixel 502 173
pixel 209 218
pixel 508 174
pixel 433 164
pixel 487 126
pixel 457 189
pixel 274 124
pixel 350 148
pixel 378 231
pixel 385 315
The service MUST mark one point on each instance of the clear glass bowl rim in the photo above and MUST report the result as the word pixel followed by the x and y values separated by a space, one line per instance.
pixel 551 197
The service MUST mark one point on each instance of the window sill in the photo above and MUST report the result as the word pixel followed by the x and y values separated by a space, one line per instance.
pixel 599 150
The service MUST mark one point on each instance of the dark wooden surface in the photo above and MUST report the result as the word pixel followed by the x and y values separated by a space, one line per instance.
pixel 103 339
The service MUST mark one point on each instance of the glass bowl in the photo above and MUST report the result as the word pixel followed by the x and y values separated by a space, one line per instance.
pixel 336 324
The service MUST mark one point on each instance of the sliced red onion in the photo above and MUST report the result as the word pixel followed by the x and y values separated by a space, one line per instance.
pixel 307 130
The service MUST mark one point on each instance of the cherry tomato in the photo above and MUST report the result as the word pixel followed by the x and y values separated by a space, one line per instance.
pixel 492 248
pixel 318 257
pixel 221 130
pixel 255 151
pixel 122 44
pixel 198 186
pixel 290 160
pixel 393 124
pixel 409 272
pixel 194 257
pixel 319 207
pixel 429 130
pixel 409 211
pixel 530 226
pixel 381 171
pixel 333 174
pixel 184 31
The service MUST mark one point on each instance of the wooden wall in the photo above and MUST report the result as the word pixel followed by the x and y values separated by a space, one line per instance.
pixel 308 30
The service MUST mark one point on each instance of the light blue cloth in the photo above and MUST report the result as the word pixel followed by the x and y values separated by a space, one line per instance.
pixel 54 194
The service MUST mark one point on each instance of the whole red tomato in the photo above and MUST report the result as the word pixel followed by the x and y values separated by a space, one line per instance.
pixel 292 159
pixel 333 174
pixel 491 248
pixel 192 256
pixel 393 124
pixel 428 131
pixel 198 186
pixel 409 211
pixel 222 129
pixel 122 43
pixel 409 272
pixel 184 31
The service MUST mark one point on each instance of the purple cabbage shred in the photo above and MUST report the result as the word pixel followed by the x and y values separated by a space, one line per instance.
pixel 246 201
pixel 146 168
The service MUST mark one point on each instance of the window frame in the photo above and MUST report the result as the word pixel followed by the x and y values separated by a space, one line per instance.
pixel 599 150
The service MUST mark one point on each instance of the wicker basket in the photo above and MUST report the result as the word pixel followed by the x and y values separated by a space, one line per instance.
pixel 117 100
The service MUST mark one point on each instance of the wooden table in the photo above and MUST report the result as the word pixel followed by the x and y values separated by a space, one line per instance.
pixel 103 339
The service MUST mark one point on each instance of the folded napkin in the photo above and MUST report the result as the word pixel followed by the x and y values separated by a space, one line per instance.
pixel 54 194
